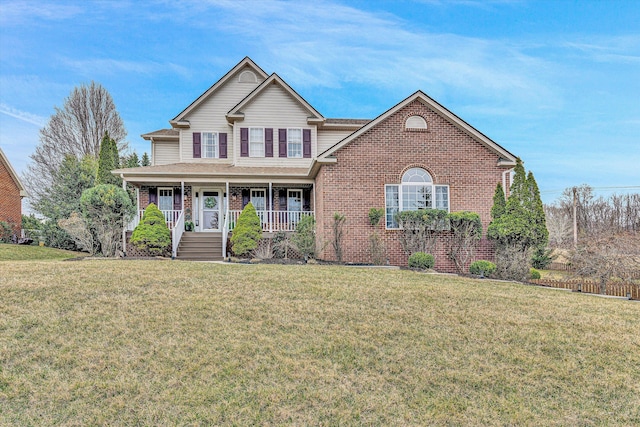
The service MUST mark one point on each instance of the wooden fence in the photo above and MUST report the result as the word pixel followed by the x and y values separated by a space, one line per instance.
pixel 627 290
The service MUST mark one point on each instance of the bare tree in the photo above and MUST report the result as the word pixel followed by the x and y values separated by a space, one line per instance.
pixel 607 257
pixel 75 129
pixel 559 226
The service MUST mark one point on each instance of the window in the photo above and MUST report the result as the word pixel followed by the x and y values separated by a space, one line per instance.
pixel 256 142
pixel 416 191
pixel 165 199
pixel 258 199
pixel 416 123
pixel 209 145
pixel 294 143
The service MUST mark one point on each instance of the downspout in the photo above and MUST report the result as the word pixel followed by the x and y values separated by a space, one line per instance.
pixel 504 181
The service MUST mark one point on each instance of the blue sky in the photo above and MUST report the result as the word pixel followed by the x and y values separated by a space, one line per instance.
pixel 555 82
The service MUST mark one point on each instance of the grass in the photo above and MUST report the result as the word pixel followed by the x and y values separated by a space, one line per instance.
pixel 178 343
pixel 11 252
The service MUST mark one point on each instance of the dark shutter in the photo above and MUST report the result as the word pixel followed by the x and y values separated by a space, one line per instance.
pixel 245 198
pixel 244 142
pixel 177 205
pixel 153 195
pixel 268 142
pixel 306 199
pixel 306 143
pixel 197 146
pixel 283 200
pixel 282 142
pixel 223 145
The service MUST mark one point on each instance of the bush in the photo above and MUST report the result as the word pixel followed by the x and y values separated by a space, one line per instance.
pixel 305 237
pixel 6 231
pixel 421 260
pixel 534 274
pixel 542 257
pixel 482 268
pixel 152 234
pixel 247 232
pixel 512 263
pixel 375 214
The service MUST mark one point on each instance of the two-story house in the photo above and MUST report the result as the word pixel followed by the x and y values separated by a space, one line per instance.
pixel 251 137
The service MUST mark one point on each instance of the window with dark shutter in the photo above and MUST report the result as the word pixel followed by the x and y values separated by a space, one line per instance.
pixel 282 142
pixel 223 145
pixel 268 142
pixel 244 142
pixel 306 143
pixel 153 195
pixel 197 147
pixel 282 199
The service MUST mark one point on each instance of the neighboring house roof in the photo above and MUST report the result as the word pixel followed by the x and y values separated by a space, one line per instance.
pixel 506 158
pixel 236 112
pixel 14 175
pixel 246 62
pixel 210 170
pixel 162 134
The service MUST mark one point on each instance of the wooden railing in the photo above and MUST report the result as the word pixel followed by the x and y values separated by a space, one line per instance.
pixel 176 234
pixel 273 221
pixel 627 290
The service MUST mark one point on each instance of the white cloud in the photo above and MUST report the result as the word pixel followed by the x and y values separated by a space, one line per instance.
pixel 15 13
pixel 24 116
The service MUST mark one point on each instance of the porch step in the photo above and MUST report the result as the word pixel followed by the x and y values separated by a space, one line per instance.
pixel 200 246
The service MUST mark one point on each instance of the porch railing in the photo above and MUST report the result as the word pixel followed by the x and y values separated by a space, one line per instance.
pixel 273 221
pixel 176 234
pixel 171 217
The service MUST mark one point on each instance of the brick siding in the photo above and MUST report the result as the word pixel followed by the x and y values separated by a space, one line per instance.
pixel 356 183
pixel 10 200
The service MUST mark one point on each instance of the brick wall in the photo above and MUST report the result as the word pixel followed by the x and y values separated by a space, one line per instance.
pixel 380 156
pixel 10 201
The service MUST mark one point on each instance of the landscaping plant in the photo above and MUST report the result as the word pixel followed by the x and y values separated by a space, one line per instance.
pixel 482 268
pixel 247 232
pixel 152 234
pixel 421 260
pixel 304 237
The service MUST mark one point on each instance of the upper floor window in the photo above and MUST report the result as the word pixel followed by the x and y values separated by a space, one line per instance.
pixel 256 142
pixel 294 143
pixel 247 77
pixel 416 123
pixel 209 145
pixel 416 191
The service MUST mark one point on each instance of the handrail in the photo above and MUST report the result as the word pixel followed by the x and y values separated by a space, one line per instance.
pixel 176 234
pixel 271 220
pixel 225 233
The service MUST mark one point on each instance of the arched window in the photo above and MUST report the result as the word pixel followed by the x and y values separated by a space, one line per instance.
pixel 416 191
pixel 247 77
pixel 416 122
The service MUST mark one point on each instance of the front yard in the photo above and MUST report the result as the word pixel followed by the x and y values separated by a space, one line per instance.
pixel 180 343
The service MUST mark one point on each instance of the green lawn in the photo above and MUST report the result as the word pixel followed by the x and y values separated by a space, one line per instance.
pixel 10 252
pixel 178 343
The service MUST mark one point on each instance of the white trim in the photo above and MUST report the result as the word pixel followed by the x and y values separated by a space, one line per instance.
pixel 301 143
pixel 401 200
pixel 262 142
pixel 165 188
pixel 221 201
pixel 216 145
pixel 289 190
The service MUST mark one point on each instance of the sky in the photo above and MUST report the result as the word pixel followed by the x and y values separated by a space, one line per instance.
pixel 555 82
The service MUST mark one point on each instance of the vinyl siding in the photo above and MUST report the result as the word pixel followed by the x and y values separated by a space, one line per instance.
pixel 328 138
pixel 165 153
pixel 210 116
pixel 276 109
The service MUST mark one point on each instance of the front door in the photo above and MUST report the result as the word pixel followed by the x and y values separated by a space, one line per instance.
pixel 210 212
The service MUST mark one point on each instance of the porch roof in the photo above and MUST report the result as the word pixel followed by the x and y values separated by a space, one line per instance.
pixel 206 172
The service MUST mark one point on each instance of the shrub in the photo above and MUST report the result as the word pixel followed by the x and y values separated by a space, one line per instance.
pixel 377 250
pixel 247 231
pixel 542 257
pixel 466 231
pixel 534 274
pixel 305 237
pixel 152 233
pixel 421 260
pixel 106 208
pixel 6 231
pixel 421 228
pixel 375 214
pixel 512 262
pixel 482 268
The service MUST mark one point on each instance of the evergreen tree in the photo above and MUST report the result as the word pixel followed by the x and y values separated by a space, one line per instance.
pixel 106 162
pixel 499 203
pixel 538 218
pixel 145 159
pixel 132 160
pixel 247 232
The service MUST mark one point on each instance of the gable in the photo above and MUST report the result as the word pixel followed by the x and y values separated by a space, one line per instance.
pixel 239 81
pixel 439 114
pixel 10 180
pixel 275 106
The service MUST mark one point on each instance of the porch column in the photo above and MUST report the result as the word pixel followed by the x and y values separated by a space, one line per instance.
pixel 270 211
pixel 313 192
pixel 225 223
pixel 182 196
